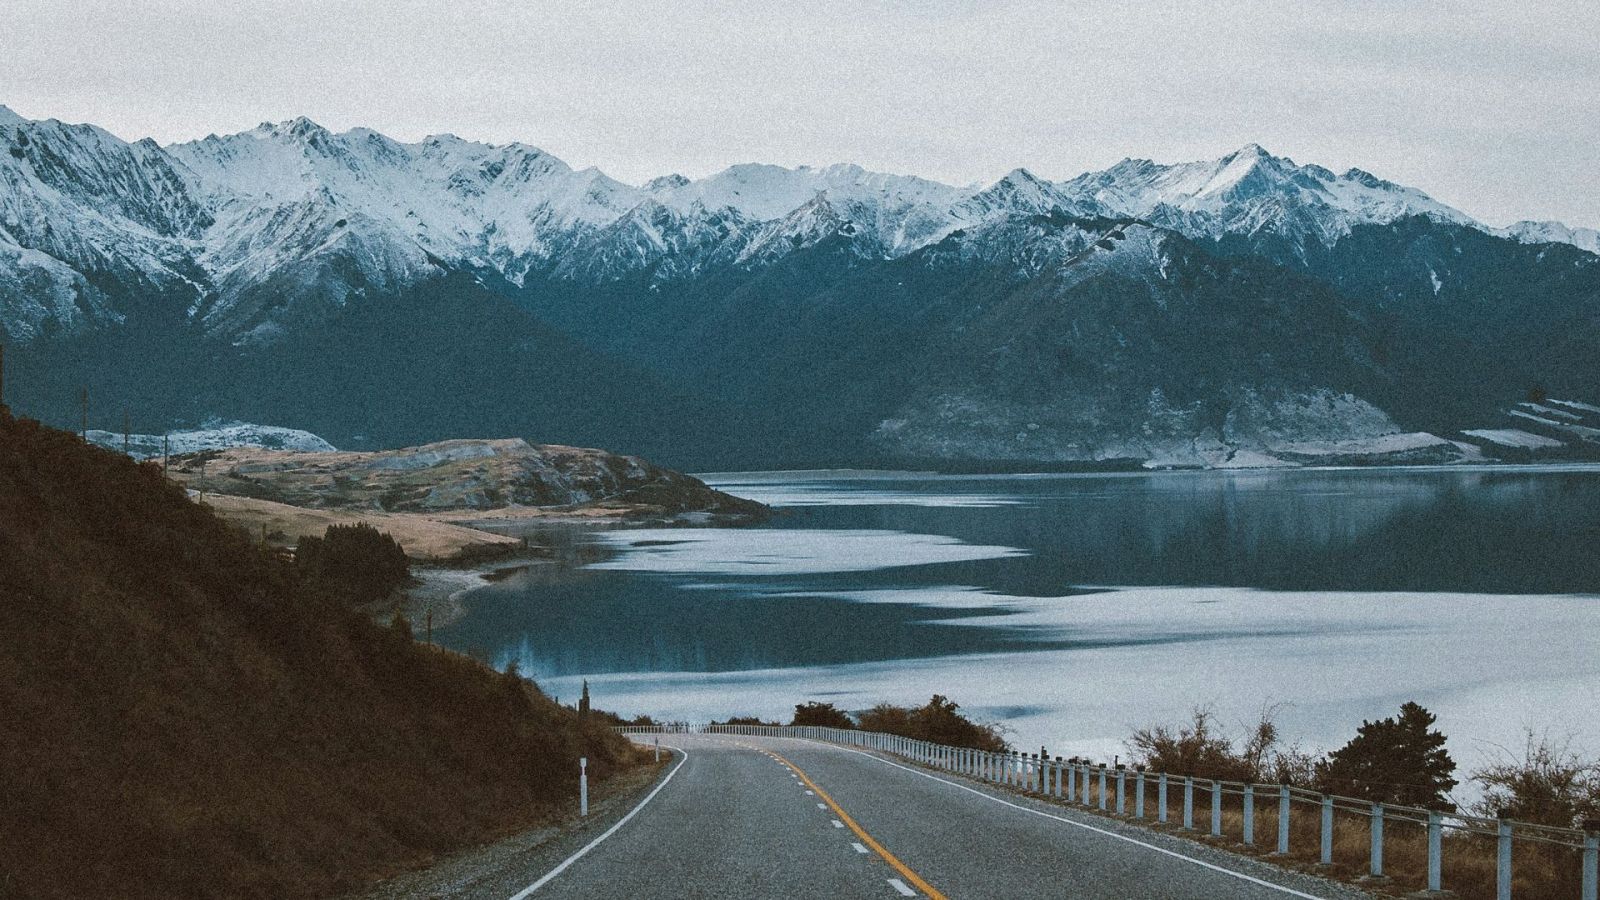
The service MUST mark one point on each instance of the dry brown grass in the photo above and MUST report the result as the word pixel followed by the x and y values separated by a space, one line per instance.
pixel 184 720
pixel 1541 872
pixel 425 538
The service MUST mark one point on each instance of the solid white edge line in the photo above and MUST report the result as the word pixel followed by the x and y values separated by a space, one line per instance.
pixel 1111 834
pixel 550 875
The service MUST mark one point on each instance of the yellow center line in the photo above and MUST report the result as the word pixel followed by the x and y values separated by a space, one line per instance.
pixel 910 876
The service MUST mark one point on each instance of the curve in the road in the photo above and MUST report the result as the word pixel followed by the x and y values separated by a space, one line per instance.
pixel 1087 827
pixel 548 876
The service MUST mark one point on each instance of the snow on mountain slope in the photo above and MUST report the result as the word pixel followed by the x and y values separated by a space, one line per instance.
pixel 290 221
pixel 900 212
pixel 1250 191
pixel 217 436
pixel 1553 233
pixel 76 201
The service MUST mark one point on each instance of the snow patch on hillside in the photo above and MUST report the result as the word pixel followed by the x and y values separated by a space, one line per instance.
pixel 219 436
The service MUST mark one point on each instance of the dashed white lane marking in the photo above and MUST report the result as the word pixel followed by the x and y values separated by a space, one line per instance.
pixel 822 806
pixel 811 793
pixel 860 848
pixel 548 876
pixel 837 823
pixel 900 886
pixel 1110 834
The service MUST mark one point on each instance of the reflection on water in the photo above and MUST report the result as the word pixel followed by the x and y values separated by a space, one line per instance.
pixel 1368 585
pixel 781 593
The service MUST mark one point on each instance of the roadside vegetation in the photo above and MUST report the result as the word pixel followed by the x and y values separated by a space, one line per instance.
pixel 1400 760
pixel 938 721
pixel 195 716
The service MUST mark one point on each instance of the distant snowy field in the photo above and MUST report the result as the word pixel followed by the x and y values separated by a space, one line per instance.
pixel 216 436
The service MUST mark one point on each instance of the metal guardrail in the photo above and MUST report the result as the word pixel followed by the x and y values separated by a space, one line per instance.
pixel 1125 791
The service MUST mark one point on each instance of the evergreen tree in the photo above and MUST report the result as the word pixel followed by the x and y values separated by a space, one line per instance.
pixel 1396 760
pixel 583 700
pixel 357 563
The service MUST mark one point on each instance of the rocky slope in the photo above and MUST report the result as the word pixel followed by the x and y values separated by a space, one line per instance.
pixel 476 475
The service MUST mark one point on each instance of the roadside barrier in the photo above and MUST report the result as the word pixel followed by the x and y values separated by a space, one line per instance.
pixel 1082 783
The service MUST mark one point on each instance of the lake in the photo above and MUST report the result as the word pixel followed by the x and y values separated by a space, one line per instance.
pixel 1074 608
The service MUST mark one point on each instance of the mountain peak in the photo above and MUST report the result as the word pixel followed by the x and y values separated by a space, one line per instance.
pixel 666 183
pixel 300 127
pixel 1021 175
pixel 8 117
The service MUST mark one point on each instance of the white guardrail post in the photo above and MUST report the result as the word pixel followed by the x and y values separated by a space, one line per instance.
pixel 1435 852
pixel 1102 787
pixel 1138 794
pixel 1376 869
pixel 1326 857
pixel 1122 790
pixel 1283 819
pixel 1249 815
pixel 1188 803
pixel 1502 866
pixel 1591 860
pixel 1161 798
pixel 1216 808
pixel 583 785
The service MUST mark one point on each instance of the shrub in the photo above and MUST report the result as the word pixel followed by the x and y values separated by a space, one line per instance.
pixel 356 563
pixel 1396 760
pixel 1549 785
pixel 825 715
pixel 1200 749
pixel 938 722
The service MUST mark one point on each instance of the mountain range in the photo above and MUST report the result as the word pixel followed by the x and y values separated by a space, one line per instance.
pixel 1223 312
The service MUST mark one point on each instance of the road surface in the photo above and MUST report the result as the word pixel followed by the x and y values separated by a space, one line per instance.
pixel 742 817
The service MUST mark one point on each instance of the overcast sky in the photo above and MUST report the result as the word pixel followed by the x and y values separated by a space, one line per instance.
pixel 1492 107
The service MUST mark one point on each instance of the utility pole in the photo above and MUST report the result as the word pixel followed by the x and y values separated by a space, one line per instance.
pixel 83 405
pixel 126 437
pixel 202 480
pixel 166 452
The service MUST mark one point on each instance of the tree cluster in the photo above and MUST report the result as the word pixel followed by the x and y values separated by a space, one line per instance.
pixel 356 563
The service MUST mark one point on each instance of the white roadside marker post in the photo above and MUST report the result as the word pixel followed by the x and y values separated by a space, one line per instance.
pixel 658 748
pixel 583 786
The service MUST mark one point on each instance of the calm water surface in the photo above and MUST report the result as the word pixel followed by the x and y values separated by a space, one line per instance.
pixel 1075 607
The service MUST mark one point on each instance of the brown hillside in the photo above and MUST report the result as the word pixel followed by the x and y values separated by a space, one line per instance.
pixel 181 719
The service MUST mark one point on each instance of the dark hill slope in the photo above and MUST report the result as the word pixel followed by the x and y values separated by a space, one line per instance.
pixel 183 719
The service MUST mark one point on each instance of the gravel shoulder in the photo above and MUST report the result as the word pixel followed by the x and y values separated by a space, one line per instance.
pixel 505 866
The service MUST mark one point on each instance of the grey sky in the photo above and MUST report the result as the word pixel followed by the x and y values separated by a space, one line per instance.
pixel 1492 107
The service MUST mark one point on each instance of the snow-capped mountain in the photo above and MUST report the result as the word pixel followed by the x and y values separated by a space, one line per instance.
pixel 1250 192
pixel 383 292
pixel 1554 233
pixel 250 233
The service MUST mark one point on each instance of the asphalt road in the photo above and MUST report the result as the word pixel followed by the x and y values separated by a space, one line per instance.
pixel 742 817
